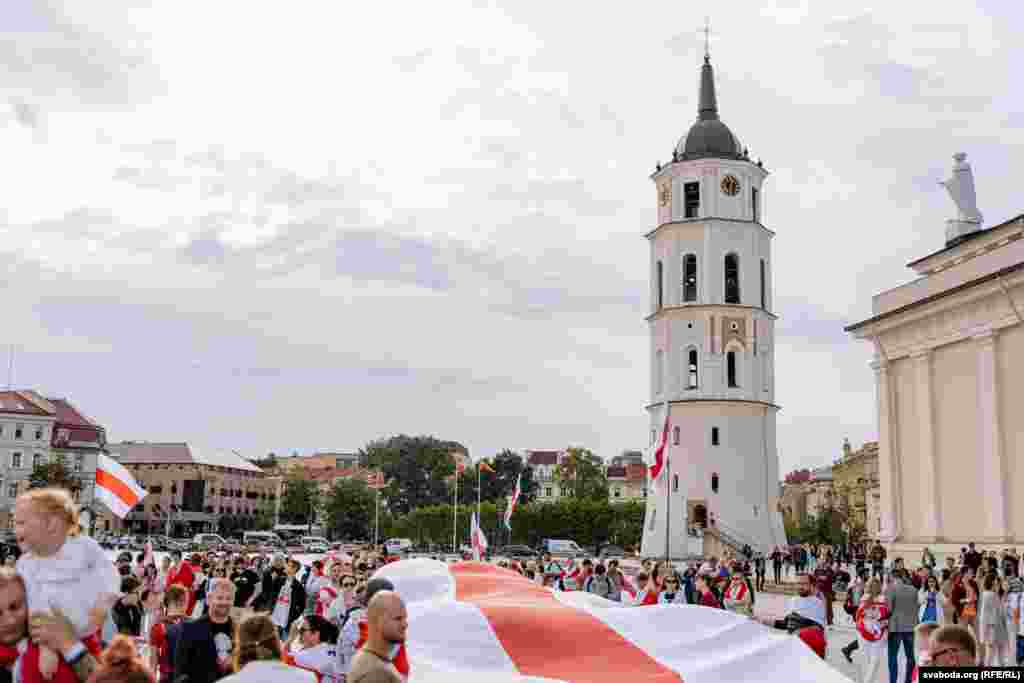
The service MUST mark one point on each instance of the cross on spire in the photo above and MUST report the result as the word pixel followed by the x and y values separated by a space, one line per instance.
pixel 707 38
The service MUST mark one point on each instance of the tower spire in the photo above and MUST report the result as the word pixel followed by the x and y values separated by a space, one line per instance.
pixel 708 107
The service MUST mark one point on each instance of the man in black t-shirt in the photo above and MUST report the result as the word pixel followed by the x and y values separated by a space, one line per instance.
pixel 248 585
pixel 205 646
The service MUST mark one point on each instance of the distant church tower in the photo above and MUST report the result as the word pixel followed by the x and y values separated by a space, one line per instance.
pixel 713 341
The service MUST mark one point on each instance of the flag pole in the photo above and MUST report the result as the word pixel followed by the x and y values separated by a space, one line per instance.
pixel 479 483
pixel 455 514
pixel 668 485
pixel 665 427
pixel 376 518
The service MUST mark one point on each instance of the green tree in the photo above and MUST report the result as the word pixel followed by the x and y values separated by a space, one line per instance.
pixel 264 519
pixel 300 498
pixel 416 469
pixel 349 509
pixel 583 473
pixel 53 474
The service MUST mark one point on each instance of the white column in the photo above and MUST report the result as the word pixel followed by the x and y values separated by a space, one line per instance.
pixel 931 527
pixel 887 469
pixel 993 477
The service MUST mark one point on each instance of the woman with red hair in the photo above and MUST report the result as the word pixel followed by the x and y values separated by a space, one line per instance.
pixel 120 663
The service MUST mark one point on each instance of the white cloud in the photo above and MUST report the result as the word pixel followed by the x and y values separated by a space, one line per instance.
pixel 319 224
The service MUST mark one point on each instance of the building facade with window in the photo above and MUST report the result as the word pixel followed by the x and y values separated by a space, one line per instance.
pixel 712 347
pixel 26 426
pixel 545 464
pixel 626 482
pixel 192 491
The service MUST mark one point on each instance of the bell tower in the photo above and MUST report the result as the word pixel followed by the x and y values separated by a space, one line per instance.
pixel 712 342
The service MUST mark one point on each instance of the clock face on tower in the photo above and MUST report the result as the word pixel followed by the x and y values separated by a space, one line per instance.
pixel 730 185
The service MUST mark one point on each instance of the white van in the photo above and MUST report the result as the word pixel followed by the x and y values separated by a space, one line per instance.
pixel 208 540
pixel 261 538
pixel 393 546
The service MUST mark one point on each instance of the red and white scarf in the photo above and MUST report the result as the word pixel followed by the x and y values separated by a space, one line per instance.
pixel 324 599
pixel 737 592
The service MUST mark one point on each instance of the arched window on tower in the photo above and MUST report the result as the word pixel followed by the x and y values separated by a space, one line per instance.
pixel 714 482
pixel 732 279
pixel 675 436
pixel 730 368
pixel 691 369
pixel 690 277
pixel 659 292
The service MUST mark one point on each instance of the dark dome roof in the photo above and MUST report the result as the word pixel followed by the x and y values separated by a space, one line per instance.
pixel 709 137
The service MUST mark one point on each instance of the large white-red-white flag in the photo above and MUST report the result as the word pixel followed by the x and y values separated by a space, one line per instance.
pixel 116 487
pixel 660 453
pixel 513 630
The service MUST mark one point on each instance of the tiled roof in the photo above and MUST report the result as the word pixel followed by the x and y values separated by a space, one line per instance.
pixel 542 457
pixel 69 415
pixel 24 403
pixel 332 473
pixel 177 454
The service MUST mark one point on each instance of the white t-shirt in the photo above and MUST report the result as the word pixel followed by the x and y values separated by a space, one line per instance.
pixel 283 605
pixel 322 658
pixel 73 580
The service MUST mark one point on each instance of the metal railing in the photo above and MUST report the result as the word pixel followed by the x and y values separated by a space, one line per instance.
pixel 736 539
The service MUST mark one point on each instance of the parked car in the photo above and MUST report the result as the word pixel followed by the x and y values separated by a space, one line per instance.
pixel 516 552
pixel 317 547
pixel 611 551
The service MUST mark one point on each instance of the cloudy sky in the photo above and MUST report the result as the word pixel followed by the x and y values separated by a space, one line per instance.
pixel 306 225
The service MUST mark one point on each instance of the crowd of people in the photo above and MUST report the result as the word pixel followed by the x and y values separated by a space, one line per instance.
pixel 70 615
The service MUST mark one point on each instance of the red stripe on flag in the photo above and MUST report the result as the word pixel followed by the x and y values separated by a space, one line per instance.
pixel 545 638
pixel 117 487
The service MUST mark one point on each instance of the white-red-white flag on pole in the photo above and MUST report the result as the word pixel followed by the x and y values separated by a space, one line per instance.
pixel 478 539
pixel 660 456
pixel 512 501
pixel 116 487
pixel 375 480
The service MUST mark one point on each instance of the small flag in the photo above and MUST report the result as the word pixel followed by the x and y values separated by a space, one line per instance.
pixel 147 557
pixel 375 480
pixel 478 539
pixel 512 501
pixel 116 487
pixel 658 466
pixel 484 467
